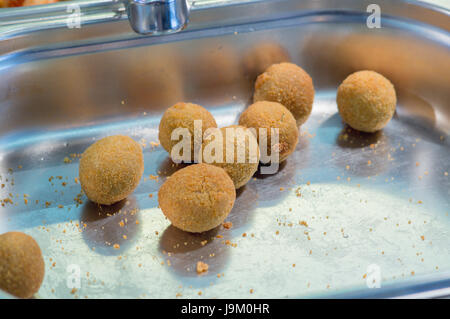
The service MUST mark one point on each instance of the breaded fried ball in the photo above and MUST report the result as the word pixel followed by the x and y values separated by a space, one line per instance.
pixel 183 115
pixel 110 169
pixel 152 84
pixel 197 198
pixel 37 2
pixel 269 115
pixel 22 267
pixel 241 163
pixel 258 58
pixel 23 3
pixel 366 101
pixel 288 84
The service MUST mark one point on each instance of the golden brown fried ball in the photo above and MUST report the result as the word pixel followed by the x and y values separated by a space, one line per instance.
pixel 22 267
pixel 197 198
pixel 366 101
pixel 183 115
pixel 269 115
pixel 261 56
pixel 242 163
pixel 288 84
pixel 110 169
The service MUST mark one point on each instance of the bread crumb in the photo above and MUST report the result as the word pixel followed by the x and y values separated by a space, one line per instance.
pixel 303 223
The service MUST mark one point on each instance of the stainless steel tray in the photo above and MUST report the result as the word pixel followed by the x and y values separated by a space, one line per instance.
pixel 63 89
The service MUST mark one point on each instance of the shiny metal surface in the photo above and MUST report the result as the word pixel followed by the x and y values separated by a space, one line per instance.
pixel 156 16
pixel 56 100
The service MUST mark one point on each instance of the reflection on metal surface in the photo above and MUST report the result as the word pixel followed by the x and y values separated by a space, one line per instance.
pixel 374 148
